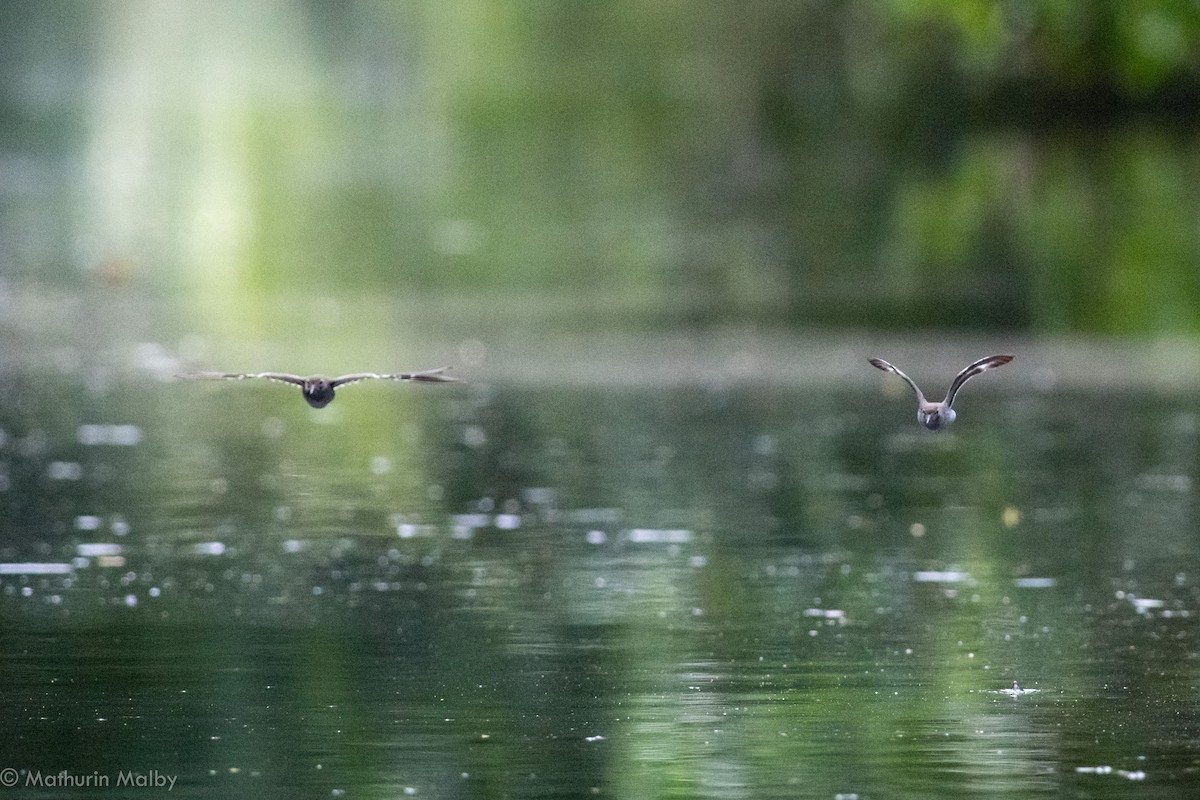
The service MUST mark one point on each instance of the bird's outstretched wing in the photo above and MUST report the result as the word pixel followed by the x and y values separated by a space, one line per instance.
pixel 427 376
pixel 282 377
pixel 971 371
pixel 879 363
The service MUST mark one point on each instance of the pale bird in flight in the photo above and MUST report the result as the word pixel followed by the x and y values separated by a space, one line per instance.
pixel 1016 691
pixel 317 390
pixel 936 416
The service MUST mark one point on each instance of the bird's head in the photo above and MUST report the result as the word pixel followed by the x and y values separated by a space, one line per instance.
pixel 318 392
pixel 935 416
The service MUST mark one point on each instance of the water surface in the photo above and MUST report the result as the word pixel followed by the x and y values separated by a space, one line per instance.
pixel 504 589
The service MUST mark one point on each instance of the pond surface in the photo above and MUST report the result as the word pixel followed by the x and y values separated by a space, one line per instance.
pixel 515 589
pixel 672 537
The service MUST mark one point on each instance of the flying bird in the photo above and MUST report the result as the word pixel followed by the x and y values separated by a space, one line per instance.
pixel 936 416
pixel 318 390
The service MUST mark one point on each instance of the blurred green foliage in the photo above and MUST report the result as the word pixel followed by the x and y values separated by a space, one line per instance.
pixel 905 164
pixel 1131 49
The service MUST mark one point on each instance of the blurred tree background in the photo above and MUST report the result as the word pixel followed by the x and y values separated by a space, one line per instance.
pixel 1025 165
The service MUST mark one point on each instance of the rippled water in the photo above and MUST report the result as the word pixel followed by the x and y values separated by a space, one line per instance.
pixel 495 590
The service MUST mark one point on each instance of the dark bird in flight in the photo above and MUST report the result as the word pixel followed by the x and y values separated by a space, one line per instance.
pixel 317 390
pixel 936 416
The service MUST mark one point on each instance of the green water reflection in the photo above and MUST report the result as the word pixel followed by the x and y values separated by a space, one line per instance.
pixel 503 591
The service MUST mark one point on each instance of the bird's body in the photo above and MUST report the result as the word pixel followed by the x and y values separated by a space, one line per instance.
pixel 318 390
pixel 935 415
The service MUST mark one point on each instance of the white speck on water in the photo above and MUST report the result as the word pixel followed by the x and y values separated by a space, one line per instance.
pixel 1035 583
pixel 87 522
pixel 131 600
pixel 292 545
pixel 1165 483
pixel 1143 604
pixel 596 537
pixel 474 436
pixel 64 471
pixel 115 435
pixel 35 568
pixel 508 522
pixel 209 548
pixel 470 520
pixel 539 495
pixel 93 549
pixel 657 536
pixel 834 615
pixel 940 576
pixel 765 445
pixel 381 465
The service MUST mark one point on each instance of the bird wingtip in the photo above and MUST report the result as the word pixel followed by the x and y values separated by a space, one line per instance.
pixel 436 376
